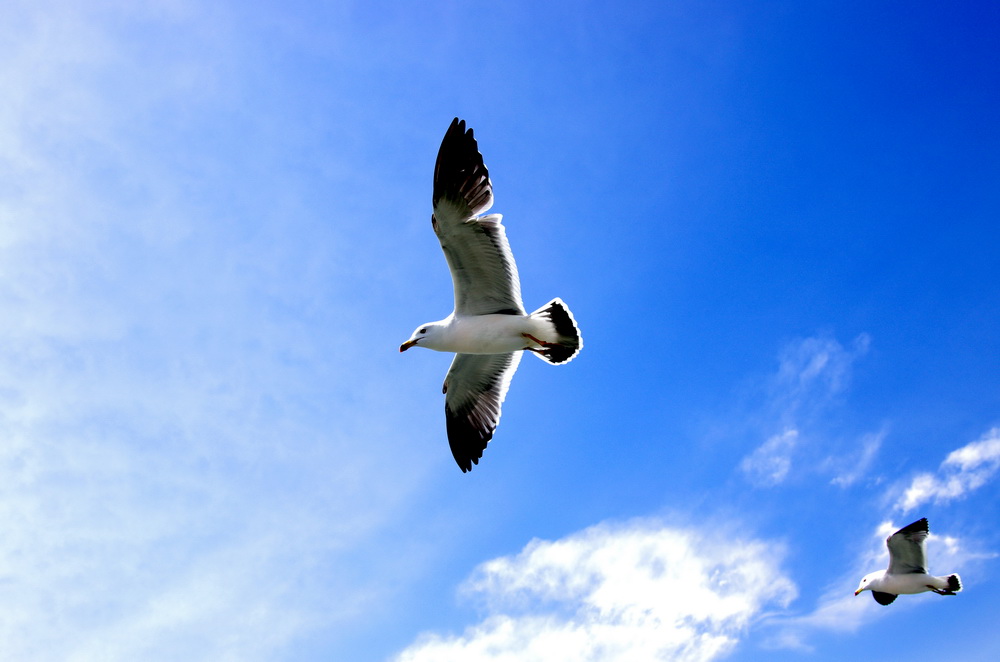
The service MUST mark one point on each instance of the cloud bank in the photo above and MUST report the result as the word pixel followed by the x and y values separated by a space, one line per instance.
pixel 637 592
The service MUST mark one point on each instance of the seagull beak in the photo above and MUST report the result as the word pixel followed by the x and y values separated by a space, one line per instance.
pixel 858 592
pixel 407 345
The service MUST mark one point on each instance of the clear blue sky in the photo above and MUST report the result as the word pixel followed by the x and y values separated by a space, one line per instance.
pixel 776 224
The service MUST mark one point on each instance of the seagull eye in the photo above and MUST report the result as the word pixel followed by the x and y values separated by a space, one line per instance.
pixel 423 330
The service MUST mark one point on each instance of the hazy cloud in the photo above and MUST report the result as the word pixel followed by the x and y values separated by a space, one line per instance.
pixel 180 466
pixel 636 592
pixel 811 372
pixel 770 463
pixel 858 464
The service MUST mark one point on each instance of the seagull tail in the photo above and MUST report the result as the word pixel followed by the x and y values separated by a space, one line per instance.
pixel 563 341
pixel 954 584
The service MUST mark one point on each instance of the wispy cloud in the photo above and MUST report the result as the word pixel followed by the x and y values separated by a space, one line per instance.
pixel 964 470
pixel 770 462
pixel 811 373
pixel 641 591
pixel 855 465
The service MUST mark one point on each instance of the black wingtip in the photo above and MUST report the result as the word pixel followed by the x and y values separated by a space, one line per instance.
pixel 919 526
pixel 467 442
pixel 459 172
pixel 883 598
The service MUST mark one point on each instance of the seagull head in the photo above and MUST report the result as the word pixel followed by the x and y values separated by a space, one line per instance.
pixel 425 336
pixel 869 581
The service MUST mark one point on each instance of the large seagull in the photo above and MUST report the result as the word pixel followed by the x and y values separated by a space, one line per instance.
pixel 907 572
pixel 489 327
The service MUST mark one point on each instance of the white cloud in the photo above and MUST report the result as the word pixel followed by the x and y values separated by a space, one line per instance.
pixel 965 469
pixel 769 464
pixel 636 592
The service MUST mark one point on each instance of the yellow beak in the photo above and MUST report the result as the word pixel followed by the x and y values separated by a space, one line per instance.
pixel 407 345
pixel 858 592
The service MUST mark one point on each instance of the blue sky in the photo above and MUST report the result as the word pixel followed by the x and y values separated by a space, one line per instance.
pixel 776 224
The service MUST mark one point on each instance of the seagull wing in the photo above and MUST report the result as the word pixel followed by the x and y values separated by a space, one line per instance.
pixel 482 266
pixel 906 549
pixel 884 598
pixel 475 387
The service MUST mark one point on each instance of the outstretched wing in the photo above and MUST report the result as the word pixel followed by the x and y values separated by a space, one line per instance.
pixel 906 549
pixel 482 266
pixel 475 389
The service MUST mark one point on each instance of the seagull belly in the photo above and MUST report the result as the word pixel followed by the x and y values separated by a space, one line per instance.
pixel 916 582
pixel 487 334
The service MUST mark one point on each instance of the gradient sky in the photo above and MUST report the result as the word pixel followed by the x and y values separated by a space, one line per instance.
pixel 775 222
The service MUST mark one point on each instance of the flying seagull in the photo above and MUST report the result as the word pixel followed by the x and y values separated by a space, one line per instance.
pixel 489 327
pixel 907 572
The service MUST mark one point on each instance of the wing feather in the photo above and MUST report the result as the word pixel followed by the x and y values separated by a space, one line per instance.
pixel 883 598
pixel 482 266
pixel 907 552
pixel 475 388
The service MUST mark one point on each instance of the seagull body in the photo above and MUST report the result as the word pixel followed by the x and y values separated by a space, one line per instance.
pixel 907 572
pixel 482 334
pixel 489 327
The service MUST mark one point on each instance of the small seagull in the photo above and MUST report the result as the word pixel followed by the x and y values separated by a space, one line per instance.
pixel 489 327
pixel 907 572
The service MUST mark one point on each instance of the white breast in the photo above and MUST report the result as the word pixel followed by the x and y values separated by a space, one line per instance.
pixel 909 583
pixel 486 334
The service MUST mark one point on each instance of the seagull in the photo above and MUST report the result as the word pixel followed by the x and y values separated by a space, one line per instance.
pixel 907 572
pixel 489 328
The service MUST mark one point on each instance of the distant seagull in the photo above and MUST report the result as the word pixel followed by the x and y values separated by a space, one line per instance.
pixel 907 571
pixel 489 327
